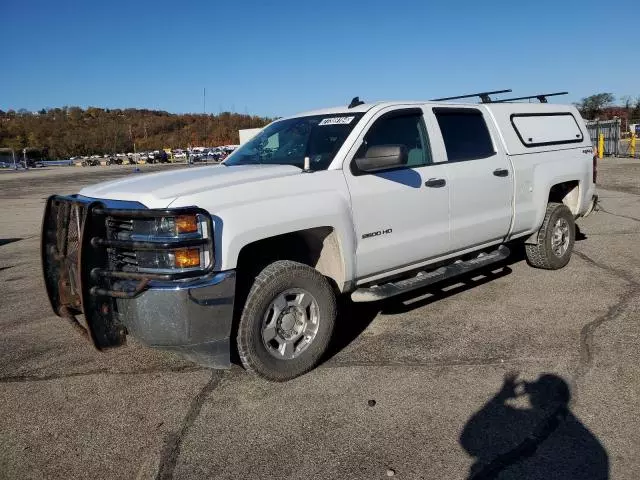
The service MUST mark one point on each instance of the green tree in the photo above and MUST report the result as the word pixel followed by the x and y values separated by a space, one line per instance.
pixel 590 107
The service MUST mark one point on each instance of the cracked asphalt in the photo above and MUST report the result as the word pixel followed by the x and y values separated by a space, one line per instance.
pixel 413 387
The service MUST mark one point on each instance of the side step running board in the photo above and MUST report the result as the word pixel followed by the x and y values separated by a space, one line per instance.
pixel 422 279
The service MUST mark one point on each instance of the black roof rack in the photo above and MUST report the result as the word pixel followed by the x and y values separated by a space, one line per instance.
pixel 484 96
pixel 541 97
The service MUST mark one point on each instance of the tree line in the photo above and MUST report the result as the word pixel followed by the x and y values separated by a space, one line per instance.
pixel 602 106
pixel 65 132
pixel 59 133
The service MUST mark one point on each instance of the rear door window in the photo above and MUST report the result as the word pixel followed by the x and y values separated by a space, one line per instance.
pixel 465 133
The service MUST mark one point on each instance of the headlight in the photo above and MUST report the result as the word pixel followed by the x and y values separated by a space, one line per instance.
pixel 170 243
pixel 167 226
pixel 180 258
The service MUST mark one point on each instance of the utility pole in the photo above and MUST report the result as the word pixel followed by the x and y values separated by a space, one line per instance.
pixel 204 111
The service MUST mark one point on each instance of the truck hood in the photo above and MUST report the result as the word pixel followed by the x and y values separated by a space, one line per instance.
pixel 159 190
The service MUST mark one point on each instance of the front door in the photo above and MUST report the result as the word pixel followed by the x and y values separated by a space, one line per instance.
pixel 401 215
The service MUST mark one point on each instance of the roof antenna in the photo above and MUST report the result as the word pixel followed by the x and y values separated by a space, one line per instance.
pixel 355 102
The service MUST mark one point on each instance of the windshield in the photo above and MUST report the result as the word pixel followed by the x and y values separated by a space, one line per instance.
pixel 288 142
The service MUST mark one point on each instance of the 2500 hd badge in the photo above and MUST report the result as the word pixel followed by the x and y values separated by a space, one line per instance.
pixel 379 232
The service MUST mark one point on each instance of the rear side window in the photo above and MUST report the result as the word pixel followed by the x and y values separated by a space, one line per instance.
pixel 465 133
pixel 539 129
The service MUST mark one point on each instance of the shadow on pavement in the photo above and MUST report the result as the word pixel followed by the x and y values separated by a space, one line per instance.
pixel 544 441
pixel 354 318
pixel 6 241
pixel 580 235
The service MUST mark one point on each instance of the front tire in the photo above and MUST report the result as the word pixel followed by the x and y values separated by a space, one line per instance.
pixel 555 240
pixel 287 321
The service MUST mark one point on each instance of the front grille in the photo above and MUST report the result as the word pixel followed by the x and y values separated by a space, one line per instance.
pixel 119 229
pixel 101 241
pixel 121 259
pixel 125 260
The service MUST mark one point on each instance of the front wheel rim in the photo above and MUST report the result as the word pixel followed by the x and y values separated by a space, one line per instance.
pixel 560 237
pixel 290 323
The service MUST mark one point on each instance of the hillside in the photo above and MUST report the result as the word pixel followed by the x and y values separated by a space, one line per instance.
pixel 72 131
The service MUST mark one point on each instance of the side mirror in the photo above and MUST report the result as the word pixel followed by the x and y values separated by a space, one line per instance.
pixel 383 157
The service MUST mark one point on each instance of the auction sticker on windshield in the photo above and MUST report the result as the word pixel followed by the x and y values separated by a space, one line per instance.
pixel 336 121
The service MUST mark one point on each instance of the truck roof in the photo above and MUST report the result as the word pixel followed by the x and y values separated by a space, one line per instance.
pixel 538 121
pixel 506 106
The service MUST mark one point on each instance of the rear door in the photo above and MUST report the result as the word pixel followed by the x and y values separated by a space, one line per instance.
pixel 481 177
pixel 399 219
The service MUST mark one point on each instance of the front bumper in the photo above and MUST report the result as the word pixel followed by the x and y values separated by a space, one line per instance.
pixel 187 312
pixel 192 318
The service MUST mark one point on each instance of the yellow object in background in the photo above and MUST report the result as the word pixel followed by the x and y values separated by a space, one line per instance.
pixel 632 149
pixel 601 145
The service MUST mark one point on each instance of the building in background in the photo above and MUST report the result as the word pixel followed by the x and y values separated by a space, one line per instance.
pixel 247 134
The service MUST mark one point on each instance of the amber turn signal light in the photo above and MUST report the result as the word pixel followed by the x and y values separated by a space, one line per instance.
pixel 186 224
pixel 187 257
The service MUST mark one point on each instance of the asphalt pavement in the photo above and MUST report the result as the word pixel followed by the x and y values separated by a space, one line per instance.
pixel 415 387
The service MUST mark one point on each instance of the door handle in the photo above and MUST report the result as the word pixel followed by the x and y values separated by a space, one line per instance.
pixel 501 172
pixel 435 182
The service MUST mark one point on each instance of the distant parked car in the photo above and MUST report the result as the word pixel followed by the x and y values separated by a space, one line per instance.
pixel 162 157
pixel 198 157
pixel 91 162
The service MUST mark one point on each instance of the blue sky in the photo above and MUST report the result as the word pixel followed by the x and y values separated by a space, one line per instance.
pixel 280 57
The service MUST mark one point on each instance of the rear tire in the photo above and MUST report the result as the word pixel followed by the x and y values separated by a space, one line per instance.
pixel 555 239
pixel 287 321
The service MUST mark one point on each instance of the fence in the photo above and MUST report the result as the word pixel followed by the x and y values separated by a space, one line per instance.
pixel 611 131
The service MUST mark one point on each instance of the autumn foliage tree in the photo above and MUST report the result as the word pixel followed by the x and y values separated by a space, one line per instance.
pixel 73 131
pixel 601 106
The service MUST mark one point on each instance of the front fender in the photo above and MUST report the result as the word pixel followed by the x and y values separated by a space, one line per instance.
pixel 243 224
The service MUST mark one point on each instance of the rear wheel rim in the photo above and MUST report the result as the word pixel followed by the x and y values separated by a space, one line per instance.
pixel 290 323
pixel 560 237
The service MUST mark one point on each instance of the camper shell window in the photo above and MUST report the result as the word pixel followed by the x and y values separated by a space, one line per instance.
pixel 541 129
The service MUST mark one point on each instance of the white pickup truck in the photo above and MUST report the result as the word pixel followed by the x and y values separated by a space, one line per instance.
pixel 370 200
